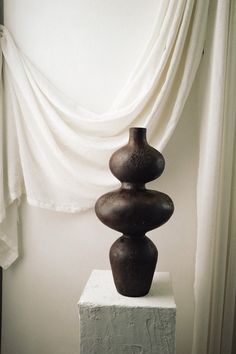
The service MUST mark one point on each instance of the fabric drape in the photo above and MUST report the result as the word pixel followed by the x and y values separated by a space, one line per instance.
pixel 56 152
pixel 215 274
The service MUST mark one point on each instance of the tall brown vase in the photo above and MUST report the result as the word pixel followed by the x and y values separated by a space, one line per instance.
pixel 133 210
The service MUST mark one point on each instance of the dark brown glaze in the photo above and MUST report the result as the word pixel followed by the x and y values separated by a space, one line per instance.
pixel 134 210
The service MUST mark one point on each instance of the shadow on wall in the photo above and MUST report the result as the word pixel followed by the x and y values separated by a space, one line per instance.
pixel 234 331
pixel 1 22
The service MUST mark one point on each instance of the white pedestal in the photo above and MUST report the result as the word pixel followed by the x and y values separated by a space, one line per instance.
pixel 114 324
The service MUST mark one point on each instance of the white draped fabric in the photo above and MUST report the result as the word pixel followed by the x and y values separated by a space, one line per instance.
pixel 56 152
pixel 215 273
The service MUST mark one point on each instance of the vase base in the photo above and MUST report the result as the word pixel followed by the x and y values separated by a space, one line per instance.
pixel 132 294
pixel 133 262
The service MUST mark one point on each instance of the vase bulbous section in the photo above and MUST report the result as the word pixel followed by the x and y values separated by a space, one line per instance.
pixel 134 210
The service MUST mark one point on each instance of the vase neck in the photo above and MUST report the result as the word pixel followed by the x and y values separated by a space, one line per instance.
pixel 133 186
pixel 137 135
pixel 135 236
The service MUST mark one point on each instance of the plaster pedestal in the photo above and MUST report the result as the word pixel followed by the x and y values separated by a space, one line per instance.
pixel 114 324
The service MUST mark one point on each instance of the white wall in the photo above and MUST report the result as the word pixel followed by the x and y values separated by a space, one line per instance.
pixel 87 49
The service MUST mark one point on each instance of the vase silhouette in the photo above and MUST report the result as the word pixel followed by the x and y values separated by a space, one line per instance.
pixel 134 210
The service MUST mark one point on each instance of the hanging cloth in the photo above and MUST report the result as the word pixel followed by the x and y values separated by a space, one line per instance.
pixel 56 152
pixel 215 267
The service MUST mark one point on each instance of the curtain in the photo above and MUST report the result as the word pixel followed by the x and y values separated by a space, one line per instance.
pixel 56 152
pixel 215 273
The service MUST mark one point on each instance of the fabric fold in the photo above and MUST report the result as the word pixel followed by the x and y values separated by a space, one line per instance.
pixel 56 152
pixel 215 281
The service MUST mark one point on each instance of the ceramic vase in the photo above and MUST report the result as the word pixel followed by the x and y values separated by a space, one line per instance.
pixel 134 210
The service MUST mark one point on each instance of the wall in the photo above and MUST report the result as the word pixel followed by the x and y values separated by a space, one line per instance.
pixel 87 49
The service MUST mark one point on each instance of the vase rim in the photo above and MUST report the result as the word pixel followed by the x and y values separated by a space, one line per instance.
pixel 138 128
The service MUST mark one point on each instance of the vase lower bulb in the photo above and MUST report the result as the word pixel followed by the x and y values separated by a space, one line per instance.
pixel 133 262
pixel 134 210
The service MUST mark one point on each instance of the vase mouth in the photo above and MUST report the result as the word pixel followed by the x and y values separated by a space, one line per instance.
pixel 140 129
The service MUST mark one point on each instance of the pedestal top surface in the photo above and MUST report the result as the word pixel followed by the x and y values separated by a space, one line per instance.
pixel 100 291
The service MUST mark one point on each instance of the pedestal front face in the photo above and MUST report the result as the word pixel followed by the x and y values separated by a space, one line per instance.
pixel 114 324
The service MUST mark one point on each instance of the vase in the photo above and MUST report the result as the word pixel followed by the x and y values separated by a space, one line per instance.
pixel 134 210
